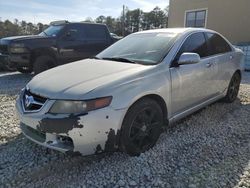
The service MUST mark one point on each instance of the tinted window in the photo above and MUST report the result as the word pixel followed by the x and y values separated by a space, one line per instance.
pixel 196 18
pixel 52 30
pixel 196 43
pixel 217 44
pixel 75 32
pixel 96 32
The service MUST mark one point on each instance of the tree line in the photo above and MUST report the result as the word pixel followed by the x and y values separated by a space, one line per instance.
pixel 8 28
pixel 135 20
pixel 130 21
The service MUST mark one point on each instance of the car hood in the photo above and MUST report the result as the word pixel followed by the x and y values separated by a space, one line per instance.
pixel 73 80
pixel 21 38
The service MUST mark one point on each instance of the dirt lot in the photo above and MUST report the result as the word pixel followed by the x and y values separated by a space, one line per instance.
pixel 208 149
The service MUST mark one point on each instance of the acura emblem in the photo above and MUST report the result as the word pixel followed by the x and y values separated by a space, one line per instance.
pixel 29 100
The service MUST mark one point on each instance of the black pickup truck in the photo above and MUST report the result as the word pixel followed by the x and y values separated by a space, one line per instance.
pixel 62 42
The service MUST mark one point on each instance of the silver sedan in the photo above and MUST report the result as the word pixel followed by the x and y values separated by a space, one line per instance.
pixel 123 98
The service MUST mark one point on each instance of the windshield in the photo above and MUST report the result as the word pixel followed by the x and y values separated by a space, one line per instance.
pixel 143 48
pixel 52 30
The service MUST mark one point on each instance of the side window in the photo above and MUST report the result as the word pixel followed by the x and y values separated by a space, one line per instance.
pixel 196 43
pixel 217 44
pixel 96 32
pixel 75 32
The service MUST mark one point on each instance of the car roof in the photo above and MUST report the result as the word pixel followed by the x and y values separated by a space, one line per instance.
pixel 177 30
pixel 65 22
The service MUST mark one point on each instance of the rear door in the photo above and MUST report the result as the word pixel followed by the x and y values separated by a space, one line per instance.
pixel 97 38
pixel 221 55
pixel 191 83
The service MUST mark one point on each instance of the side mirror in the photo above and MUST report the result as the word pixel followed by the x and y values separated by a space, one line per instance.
pixel 189 58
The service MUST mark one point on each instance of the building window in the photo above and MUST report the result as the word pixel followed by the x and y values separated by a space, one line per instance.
pixel 196 18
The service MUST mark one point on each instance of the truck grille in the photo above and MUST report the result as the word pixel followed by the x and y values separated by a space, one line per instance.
pixel 4 49
pixel 32 102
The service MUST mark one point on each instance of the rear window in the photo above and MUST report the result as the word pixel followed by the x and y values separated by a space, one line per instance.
pixel 96 32
pixel 217 44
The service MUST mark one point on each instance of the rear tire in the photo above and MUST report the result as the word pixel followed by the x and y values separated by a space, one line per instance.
pixel 233 88
pixel 141 127
pixel 43 63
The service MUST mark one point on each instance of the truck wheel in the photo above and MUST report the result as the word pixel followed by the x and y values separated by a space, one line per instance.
pixel 141 127
pixel 8 68
pixel 24 70
pixel 43 63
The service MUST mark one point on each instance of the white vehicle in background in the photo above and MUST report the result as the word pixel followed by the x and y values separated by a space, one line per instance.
pixel 123 98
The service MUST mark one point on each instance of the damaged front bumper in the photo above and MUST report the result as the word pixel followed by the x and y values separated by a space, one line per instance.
pixel 56 142
pixel 91 133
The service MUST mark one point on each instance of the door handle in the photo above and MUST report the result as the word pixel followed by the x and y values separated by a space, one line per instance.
pixel 209 65
pixel 231 57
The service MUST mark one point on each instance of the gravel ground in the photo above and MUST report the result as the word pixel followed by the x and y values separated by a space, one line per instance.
pixel 208 149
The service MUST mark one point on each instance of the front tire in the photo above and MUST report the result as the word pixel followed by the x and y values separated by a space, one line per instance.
pixel 24 70
pixel 43 63
pixel 8 67
pixel 233 88
pixel 141 127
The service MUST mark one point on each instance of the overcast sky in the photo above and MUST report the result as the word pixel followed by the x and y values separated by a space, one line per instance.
pixel 46 11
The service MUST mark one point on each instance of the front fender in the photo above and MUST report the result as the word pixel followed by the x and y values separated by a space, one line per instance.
pixel 127 93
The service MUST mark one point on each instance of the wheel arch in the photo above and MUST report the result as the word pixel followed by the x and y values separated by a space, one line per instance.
pixel 40 52
pixel 159 100
pixel 238 72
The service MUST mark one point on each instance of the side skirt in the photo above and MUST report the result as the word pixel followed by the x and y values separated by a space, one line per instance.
pixel 195 108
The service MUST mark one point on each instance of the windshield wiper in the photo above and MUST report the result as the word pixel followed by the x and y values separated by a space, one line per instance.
pixel 94 57
pixel 121 59
pixel 44 33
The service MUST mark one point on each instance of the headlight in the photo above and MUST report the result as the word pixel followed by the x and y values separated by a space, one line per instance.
pixel 79 107
pixel 18 48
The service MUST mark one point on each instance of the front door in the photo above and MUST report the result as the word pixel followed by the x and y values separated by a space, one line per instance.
pixel 191 83
pixel 73 44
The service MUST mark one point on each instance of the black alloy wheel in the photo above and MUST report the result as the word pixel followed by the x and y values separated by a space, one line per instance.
pixel 142 127
pixel 233 88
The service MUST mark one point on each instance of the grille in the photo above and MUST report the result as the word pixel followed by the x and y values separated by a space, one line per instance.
pixel 32 102
pixel 4 49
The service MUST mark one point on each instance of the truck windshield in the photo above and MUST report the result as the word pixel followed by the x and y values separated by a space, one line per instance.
pixel 52 30
pixel 142 48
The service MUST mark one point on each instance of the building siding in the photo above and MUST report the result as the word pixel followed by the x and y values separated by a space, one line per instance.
pixel 229 17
